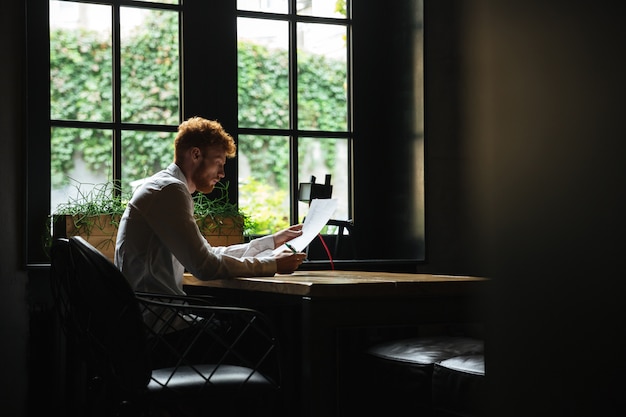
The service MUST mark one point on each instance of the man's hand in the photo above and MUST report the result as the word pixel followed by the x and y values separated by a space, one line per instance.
pixel 287 262
pixel 286 235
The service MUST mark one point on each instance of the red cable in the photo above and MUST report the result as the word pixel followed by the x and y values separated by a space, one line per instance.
pixel 330 258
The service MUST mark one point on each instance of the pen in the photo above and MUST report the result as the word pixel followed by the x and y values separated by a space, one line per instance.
pixel 291 247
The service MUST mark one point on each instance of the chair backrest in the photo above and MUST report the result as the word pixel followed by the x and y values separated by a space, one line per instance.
pixel 191 349
pixel 99 307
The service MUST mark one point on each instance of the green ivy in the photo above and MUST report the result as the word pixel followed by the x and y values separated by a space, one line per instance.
pixel 81 89
pixel 266 204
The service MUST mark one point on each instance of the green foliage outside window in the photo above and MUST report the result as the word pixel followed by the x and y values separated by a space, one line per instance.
pixel 262 200
pixel 81 89
pixel 150 71
pixel 263 86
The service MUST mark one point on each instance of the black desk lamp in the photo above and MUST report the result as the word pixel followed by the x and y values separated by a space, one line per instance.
pixel 308 191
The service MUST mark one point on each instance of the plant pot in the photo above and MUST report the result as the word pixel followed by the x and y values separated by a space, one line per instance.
pixel 101 231
pixel 222 231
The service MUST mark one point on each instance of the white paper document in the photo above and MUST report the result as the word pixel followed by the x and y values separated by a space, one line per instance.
pixel 320 211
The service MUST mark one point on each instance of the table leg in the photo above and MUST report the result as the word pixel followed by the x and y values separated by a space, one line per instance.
pixel 319 361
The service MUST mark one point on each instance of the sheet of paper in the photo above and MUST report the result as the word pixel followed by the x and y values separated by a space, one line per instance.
pixel 320 211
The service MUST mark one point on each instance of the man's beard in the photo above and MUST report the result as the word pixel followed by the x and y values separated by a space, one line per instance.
pixel 203 184
pixel 205 188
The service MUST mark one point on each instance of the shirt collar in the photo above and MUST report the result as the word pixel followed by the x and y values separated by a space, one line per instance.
pixel 175 171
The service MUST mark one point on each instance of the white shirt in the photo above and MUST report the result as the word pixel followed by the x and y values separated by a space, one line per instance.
pixel 158 239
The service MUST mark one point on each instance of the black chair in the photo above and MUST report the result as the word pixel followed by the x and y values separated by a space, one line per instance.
pixel 151 354
pixel 398 372
pixel 459 387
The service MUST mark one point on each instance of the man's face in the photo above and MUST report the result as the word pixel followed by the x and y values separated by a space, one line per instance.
pixel 210 169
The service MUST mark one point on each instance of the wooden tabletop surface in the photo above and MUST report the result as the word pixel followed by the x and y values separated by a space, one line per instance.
pixel 331 283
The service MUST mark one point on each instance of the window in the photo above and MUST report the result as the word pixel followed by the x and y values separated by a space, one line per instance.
pixel 114 93
pixel 111 80
pixel 293 103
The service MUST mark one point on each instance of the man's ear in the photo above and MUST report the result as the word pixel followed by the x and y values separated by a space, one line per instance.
pixel 195 153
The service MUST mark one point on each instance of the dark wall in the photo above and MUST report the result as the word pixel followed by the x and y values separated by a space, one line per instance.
pixel 14 332
pixel 449 222
pixel 388 130
pixel 404 147
pixel 542 116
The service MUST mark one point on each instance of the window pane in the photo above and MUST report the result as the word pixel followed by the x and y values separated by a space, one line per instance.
pixel 263 73
pixel 322 8
pixel 80 62
pixel 320 157
pixel 267 6
pixel 322 77
pixel 144 154
pixel 150 66
pixel 80 158
pixel 264 181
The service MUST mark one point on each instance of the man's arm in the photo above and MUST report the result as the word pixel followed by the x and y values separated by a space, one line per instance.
pixel 171 218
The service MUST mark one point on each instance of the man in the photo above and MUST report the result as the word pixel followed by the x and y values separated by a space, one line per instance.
pixel 158 237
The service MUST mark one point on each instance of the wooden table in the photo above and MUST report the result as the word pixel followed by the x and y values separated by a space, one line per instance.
pixel 315 305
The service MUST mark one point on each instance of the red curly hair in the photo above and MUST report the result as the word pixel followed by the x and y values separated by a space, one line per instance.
pixel 202 133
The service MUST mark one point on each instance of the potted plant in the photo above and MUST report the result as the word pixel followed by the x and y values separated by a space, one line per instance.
pixel 95 215
pixel 221 222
